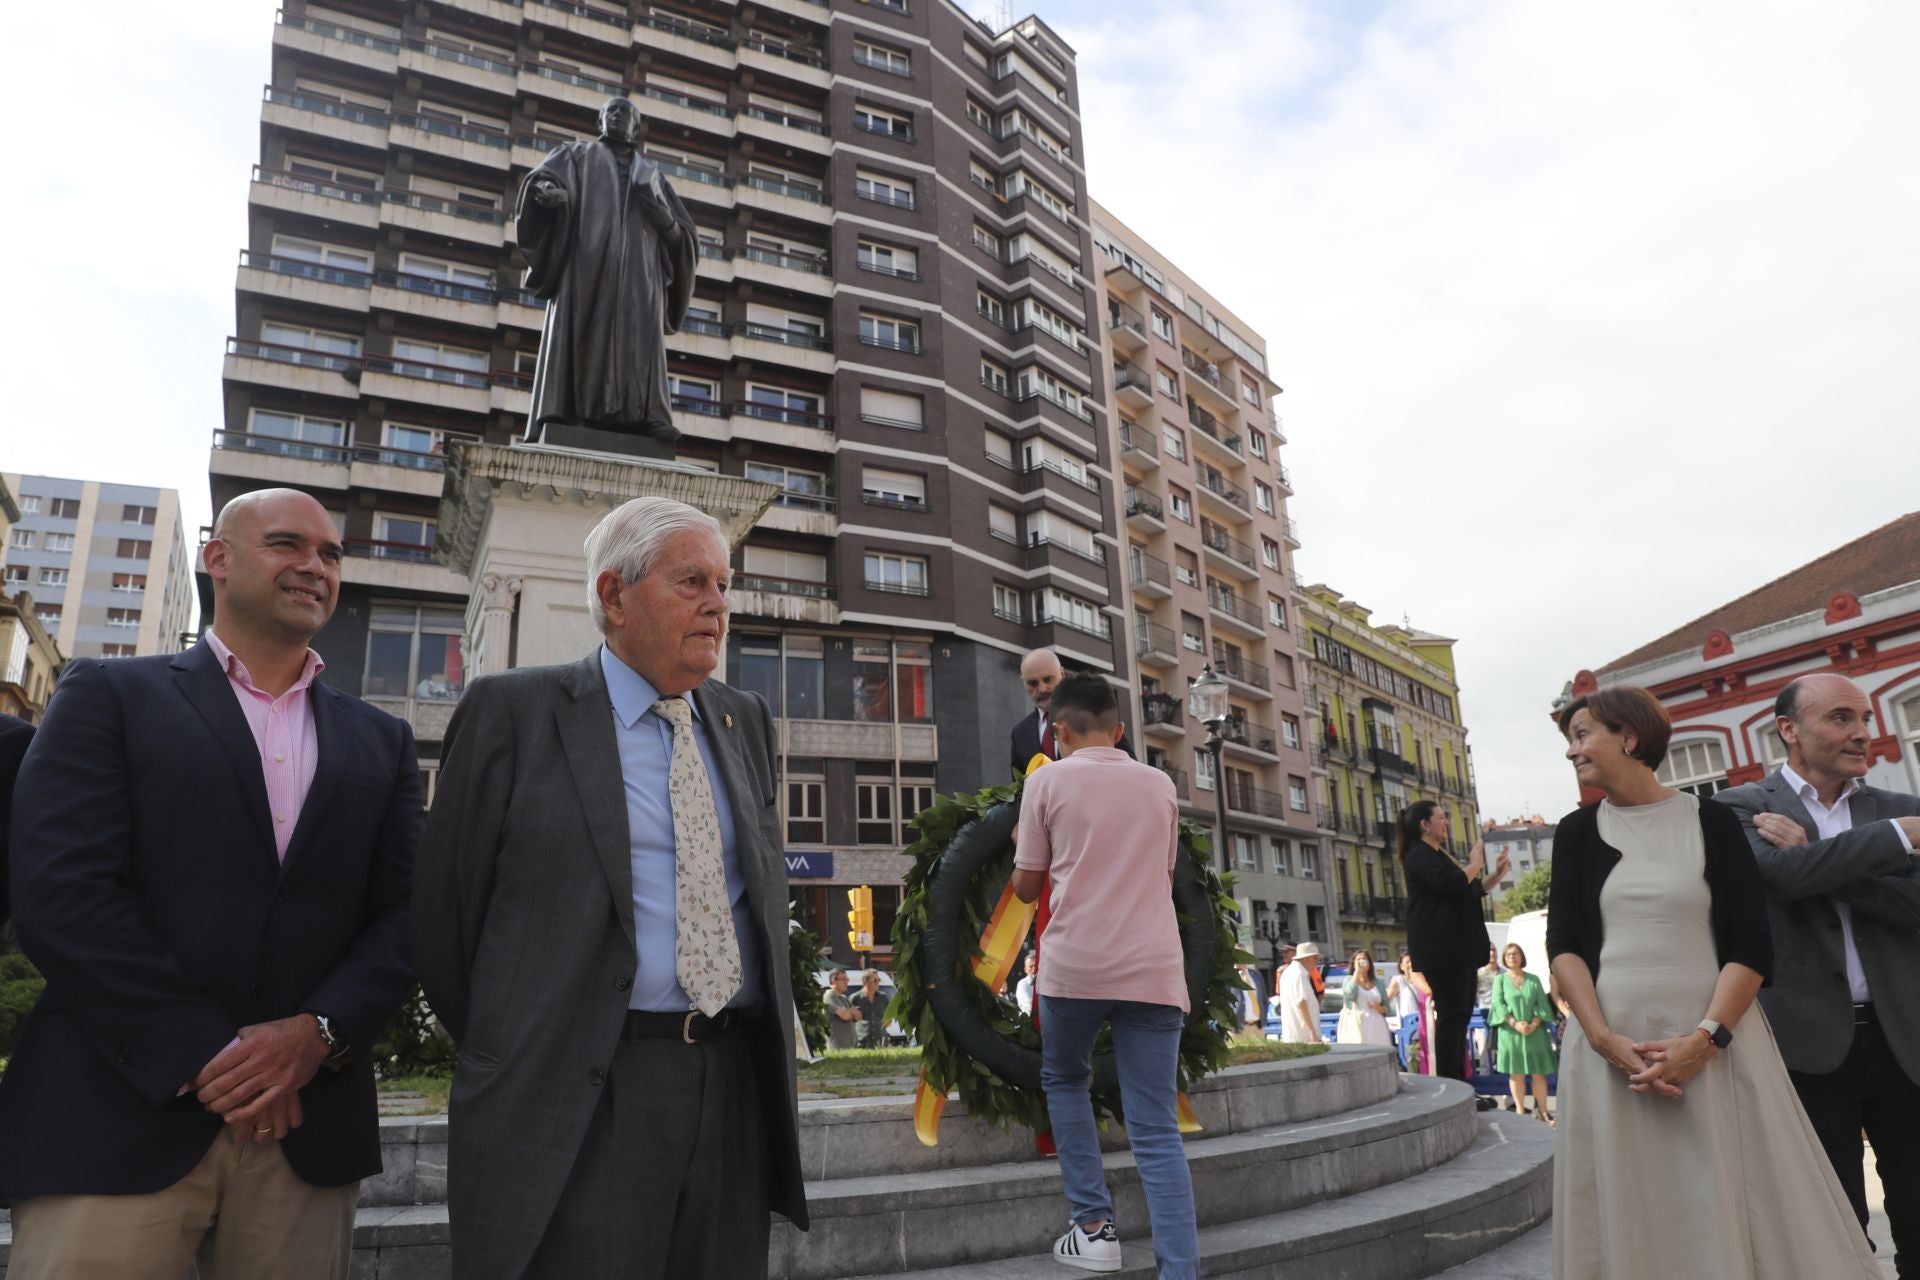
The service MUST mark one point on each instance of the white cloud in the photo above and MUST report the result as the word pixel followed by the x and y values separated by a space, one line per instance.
pixel 1590 317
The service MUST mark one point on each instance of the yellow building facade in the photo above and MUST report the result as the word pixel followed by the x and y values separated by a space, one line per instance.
pixel 1383 704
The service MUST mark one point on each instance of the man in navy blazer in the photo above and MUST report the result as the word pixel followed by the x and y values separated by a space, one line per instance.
pixel 211 862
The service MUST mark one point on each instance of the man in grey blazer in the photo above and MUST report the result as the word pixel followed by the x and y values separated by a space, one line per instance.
pixel 601 923
pixel 1843 897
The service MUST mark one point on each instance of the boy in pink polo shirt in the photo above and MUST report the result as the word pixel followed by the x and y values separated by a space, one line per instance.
pixel 1105 830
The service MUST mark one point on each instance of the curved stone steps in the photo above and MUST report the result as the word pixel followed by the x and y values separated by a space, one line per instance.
pixel 1497 1190
pixel 898 1223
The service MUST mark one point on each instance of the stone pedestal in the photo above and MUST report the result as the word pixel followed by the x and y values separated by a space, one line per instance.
pixel 514 519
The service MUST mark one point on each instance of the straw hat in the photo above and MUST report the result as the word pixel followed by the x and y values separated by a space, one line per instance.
pixel 1304 950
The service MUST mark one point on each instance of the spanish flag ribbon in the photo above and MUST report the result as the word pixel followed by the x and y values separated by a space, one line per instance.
pixel 928 1105
pixel 1183 1115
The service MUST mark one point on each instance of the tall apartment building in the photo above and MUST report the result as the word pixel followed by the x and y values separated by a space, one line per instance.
pixel 1384 705
pixel 106 563
pixel 894 322
pixel 1209 559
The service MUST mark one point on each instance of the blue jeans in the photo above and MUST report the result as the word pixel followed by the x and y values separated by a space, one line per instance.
pixel 1146 1049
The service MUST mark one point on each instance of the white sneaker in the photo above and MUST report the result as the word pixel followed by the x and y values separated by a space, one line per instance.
pixel 1097 1252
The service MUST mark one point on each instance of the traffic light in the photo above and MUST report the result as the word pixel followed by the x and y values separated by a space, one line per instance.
pixel 860 937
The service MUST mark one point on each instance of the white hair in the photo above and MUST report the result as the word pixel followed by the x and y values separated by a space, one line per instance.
pixel 630 538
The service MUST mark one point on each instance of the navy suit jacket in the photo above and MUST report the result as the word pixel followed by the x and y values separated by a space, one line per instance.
pixel 1026 742
pixel 148 890
pixel 15 734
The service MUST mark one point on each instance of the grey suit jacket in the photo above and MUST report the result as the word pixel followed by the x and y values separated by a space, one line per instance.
pixel 524 939
pixel 1869 869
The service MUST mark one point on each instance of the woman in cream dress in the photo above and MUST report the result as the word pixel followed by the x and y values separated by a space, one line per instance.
pixel 1673 1156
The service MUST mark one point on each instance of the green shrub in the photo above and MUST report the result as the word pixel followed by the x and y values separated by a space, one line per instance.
pixel 20 986
pixel 413 1044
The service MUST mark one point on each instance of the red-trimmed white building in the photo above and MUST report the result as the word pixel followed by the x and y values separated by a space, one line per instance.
pixel 1855 611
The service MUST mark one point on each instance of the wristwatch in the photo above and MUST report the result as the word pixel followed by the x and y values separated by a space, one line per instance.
pixel 1713 1031
pixel 336 1047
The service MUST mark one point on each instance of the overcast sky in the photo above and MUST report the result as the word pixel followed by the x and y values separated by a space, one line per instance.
pixel 1590 317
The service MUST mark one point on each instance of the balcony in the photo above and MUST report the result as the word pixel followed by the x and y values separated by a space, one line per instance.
pixel 291 368
pixel 269 460
pixel 436 299
pixel 462 66
pixel 1290 531
pixel 1227 552
pixel 1132 386
pixel 1373 908
pixel 1137 445
pixel 340 44
pixel 1143 511
pixel 803 64
pixel 1284 479
pixel 1163 716
pixel 1206 377
pixel 1336 748
pixel 325 118
pixel 1212 435
pixel 1179 779
pixel 1239 615
pixel 296 279
pixel 1255 800
pixel 571 87
pixel 1387 761
pixel 1226 499
pixel 1155 646
pixel 688 112
pixel 1150 575
pixel 401 566
pixel 356 206
pixel 418 382
pixel 784 599
pixel 463 142
pixel 1127 328
pixel 1244 674
pixel 904 589
pixel 859 739
pixel 453 219
pixel 586 20
pixel 1248 738
pixel 789 199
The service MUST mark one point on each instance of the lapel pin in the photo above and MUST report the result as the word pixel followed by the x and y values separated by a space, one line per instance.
pixel 727 720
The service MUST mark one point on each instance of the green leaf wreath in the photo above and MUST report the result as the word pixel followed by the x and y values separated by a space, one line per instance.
pixel 1210 1026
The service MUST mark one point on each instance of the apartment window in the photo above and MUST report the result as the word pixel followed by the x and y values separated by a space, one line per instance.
pixel 53 577
pixel 806 809
pixel 48 614
pixel 990 307
pixel 979 115
pixel 1297 790
pixel 873 802
pixel 974 54
pixel 913 682
pixel 884 188
pixel 1277 612
pixel 892 408
pixel 17 574
pixel 1054 605
pixel 798 487
pixel 1283 671
pixel 129 582
pixel 1281 852
pixel 889 332
pixel 1251 394
pixel 902 575
pixel 1006 603
pixel 69 509
pixel 1309 860
pixel 891 488
pixel 801 569
pixel 437 362
pixel 457 274
pixel 1175 439
pixel 1180 504
pixel 806 677
pixel 1246 851
pixel 295 342
pixel 415 653
pixel 986 241
pixel 914 796
pixel 1699 767
pixel 30 504
pixel 1186 567
pixel 1162 324
pixel 22 539
pixel 893 124
pixel 1269 552
pixel 777 404
pixel 888 259
pixel 1163 381
pixel 994 375
pixel 1263 496
pixel 1290 730
pixel 123 617
pixel 1002 523
pixel 872 681
pixel 700 395
pixel 117 650
pixel 1256 443
pixel 881 58
pixel 295 435
pixel 129 548
pixel 403 537
pixel 1203 770
pixel 1193 635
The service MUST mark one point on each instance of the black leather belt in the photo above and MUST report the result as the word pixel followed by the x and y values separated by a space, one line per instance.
pixel 692 1027
pixel 1864 1016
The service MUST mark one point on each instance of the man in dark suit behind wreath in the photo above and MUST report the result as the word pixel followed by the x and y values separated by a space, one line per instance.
pixel 602 926
pixel 1843 891
pixel 1040 671
pixel 211 858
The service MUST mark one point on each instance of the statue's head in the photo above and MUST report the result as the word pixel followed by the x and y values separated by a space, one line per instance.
pixel 620 121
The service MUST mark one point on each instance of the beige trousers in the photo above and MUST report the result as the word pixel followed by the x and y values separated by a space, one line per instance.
pixel 242 1214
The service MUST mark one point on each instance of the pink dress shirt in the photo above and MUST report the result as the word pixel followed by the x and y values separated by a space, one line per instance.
pixel 283 730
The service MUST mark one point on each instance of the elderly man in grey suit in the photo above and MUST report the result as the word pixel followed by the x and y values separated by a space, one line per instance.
pixel 1843 896
pixel 601 923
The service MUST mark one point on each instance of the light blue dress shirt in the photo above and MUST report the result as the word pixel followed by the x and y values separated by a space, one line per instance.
pixel 646 752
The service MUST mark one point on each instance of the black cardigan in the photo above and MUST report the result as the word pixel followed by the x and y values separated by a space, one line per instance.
pixel 1582 861
pixel 1444 926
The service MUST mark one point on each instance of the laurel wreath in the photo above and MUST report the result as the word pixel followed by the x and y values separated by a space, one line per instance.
pixel 804 959
pixel 949 828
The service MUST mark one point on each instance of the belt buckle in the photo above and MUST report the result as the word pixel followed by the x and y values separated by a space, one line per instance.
pixel 686 1028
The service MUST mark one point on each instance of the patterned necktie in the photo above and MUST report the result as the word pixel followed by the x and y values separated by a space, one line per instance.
pixel 706 954
pixel 1048 748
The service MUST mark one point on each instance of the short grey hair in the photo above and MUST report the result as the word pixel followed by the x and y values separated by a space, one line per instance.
pixel 630 538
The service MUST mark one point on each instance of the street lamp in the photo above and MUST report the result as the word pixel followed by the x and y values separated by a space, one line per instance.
pixel 1207 703
pixel 1275 932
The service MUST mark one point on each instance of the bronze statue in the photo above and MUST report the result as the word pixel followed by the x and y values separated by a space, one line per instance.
pixel 611 250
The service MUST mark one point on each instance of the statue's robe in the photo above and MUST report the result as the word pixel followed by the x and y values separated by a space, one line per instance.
pixel 613 287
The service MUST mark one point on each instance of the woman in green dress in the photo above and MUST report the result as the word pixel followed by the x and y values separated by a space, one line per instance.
pixel 1523 1014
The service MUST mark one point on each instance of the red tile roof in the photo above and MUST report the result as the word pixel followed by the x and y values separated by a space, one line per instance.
pixel 1887 557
